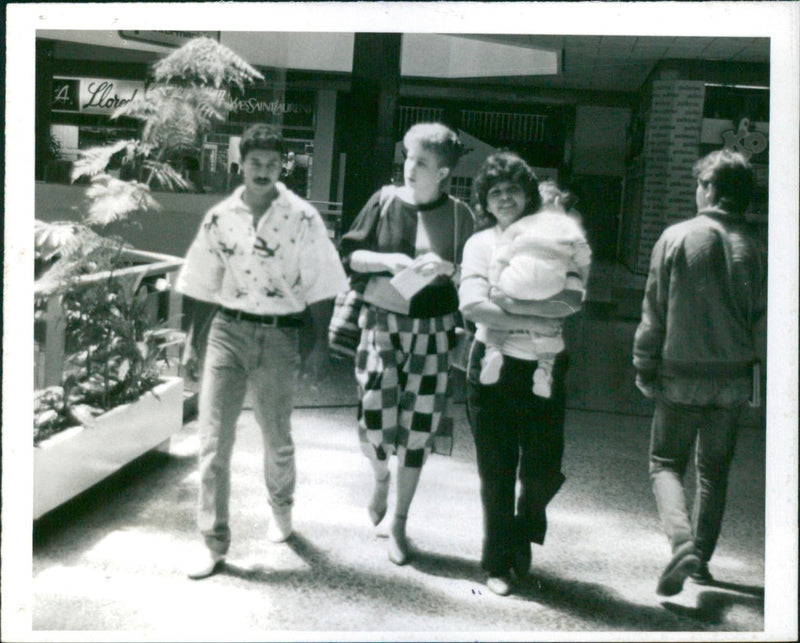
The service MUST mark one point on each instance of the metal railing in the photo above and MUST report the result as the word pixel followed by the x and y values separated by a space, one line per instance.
pixel 503 125
pixel 331 212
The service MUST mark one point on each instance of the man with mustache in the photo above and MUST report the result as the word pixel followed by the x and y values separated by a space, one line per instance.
pixel 263 256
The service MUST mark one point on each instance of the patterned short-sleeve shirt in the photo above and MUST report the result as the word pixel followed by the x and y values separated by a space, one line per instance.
pixel 275 266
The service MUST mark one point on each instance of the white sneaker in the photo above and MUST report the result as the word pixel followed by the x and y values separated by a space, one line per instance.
pixel 280 525
pixel 205 564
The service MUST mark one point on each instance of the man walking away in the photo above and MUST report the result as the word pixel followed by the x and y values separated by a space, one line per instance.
pixel 697 351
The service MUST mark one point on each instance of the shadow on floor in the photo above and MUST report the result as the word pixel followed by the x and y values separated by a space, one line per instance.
pixel 138 483
pixel 596 603
pixel 712 607
pixel 599 602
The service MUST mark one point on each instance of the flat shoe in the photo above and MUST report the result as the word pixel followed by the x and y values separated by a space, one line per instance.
pixel 396 556
pixel 499 585
pixel 205 565
pixel 398 546
pixel 397 553
pixel 378 503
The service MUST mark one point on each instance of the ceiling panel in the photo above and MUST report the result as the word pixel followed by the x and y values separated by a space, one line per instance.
pixel 611 63
pixel 654 41
pixel 688 46
pixel 758 52
pixel 725 48
pixel 621 42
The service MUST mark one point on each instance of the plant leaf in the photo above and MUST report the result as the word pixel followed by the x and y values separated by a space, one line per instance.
pixel 94 160
pixel 142 107
pixel 77 248
pixel 44 418
pixel 113 199
pixel 124 369
pixel 207 61
pixel 48 398
pixel 167 176
pixel 175 126
pixel 65 238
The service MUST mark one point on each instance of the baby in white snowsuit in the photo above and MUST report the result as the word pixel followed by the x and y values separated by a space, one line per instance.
pixel 543 256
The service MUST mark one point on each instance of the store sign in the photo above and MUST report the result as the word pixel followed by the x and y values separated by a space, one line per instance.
pixel 744 140
pixel 257 104
pixel 93 95
pixel 742 135
pixel 254 105
pixel 167 38
pixel 65 95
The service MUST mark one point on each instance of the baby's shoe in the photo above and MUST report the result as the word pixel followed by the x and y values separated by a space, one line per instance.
pixel 491 364
pixel 542 383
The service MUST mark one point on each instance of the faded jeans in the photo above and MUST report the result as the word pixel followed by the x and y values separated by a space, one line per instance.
pixel 675 429
pixel 267 357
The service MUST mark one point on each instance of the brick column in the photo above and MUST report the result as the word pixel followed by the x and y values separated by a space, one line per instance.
pixel 672 145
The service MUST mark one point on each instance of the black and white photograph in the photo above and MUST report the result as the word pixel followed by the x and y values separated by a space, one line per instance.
pixel 401 321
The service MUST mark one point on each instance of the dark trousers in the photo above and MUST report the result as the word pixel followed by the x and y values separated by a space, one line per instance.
pixel 676 428
pixel 517 434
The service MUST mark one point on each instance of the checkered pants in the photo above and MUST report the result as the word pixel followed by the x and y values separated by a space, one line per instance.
pixel 402 371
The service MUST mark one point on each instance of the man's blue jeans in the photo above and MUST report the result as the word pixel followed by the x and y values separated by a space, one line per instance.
pixel 675 429
pixel 267 357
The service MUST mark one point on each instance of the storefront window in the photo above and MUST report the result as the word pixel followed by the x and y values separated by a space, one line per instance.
pixel 82 107
pixel 291 110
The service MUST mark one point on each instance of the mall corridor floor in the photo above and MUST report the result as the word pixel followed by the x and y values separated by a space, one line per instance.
pixel 113 560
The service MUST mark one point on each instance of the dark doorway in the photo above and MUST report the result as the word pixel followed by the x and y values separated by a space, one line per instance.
pixel 599 204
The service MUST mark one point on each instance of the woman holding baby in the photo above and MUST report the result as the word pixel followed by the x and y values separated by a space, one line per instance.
pixel 520 278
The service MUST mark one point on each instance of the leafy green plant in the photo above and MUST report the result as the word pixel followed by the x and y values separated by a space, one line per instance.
pixel 114 349
pixel 116 354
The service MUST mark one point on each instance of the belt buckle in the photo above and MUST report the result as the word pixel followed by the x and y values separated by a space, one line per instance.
pixel 272 323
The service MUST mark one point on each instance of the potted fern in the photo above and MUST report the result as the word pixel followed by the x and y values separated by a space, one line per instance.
pixel 109 401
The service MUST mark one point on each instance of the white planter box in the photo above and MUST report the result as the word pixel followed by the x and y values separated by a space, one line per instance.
pixel 72 461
